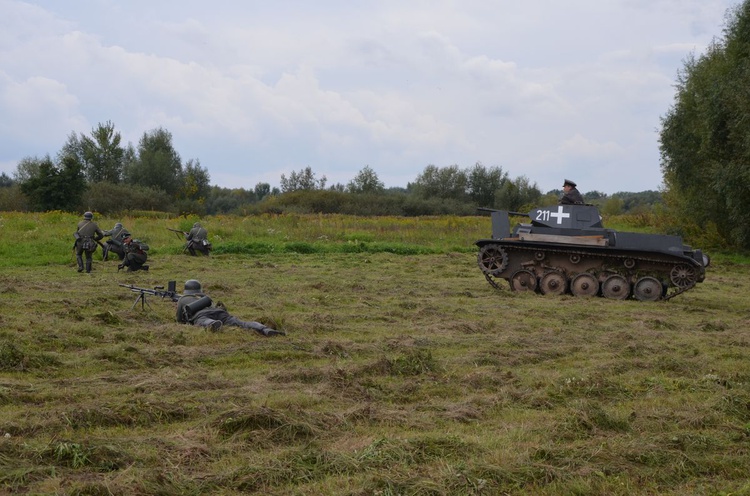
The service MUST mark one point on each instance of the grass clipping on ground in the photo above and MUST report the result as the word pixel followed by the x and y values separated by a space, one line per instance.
pixel 399 374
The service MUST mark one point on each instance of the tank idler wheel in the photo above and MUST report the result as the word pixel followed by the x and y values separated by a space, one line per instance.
pixel 584 284
pixel 553 283
pixel 616 287
pixel 523 280
pixel 683 276
pixel 492 259
pixel 648 289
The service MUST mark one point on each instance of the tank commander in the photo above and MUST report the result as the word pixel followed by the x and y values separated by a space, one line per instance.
pixel 87 236
pixel 196 308
pixel 570 196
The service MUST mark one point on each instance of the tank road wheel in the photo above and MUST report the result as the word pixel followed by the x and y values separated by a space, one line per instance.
pixel 523 280
pixel 648 289
pixel 553 282
pixel 492 259
pixel 683 276
pixel 616 287
pixel 584 284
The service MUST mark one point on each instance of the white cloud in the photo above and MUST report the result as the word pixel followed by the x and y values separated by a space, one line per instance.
pixel 256 89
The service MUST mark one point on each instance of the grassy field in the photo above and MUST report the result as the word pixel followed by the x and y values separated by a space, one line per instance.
pixel 402 373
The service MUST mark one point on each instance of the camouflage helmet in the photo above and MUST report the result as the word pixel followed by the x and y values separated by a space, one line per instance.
pixel 192 287
pixel 88 216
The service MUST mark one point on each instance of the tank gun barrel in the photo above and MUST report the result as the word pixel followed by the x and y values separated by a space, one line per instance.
pixel 510 212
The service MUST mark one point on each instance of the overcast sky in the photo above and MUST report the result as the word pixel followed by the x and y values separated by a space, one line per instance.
pixel 254 89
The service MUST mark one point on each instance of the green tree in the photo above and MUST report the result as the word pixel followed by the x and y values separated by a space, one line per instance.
pixel 262 190
pixel 366 182
pixel 517 194
pixel 100 153
pixel 55 187
pixel 705 150
pixel 444 183
pixel 6 181
pixel 303 180
pixel 485 183
pixel 155 163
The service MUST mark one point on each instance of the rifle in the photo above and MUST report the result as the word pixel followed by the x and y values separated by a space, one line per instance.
pixel 170 293
pixel 178 232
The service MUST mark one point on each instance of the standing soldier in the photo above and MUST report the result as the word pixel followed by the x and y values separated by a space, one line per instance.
pixel 135 255
pixel 115 243
pixel 197 240
pixel 87 234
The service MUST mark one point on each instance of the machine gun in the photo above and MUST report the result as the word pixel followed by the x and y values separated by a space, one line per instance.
pixel 159 291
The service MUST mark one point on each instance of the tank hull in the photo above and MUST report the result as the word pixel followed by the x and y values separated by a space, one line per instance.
pixel 585 259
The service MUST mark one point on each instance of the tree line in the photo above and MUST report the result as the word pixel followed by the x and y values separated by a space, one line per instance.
pixel 97 172
pixel 705 138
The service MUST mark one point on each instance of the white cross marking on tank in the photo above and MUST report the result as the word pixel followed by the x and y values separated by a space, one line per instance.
pixel 559 214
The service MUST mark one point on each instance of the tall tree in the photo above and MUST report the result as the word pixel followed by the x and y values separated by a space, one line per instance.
pixel 303 180
pixel 195 181
pixel 55 187
pixel 155 163
pixel 101 153
pixel 366 181
pixel 484 184
pixel 705 136
pixel 444 183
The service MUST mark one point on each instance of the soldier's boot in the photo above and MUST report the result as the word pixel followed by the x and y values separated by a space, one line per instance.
pixel 88 265
pixel 105 252
pixel 79 259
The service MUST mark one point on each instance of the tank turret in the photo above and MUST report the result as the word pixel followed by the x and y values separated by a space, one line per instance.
pixel 566 249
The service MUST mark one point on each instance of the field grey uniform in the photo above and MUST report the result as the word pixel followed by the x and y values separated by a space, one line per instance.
pixel 197 240
pixel 86 235
pixel 572 197
pixel 115 242
pixel 135 255
pixel 214 317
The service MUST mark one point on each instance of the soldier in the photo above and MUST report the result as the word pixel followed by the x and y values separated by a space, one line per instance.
pixel 115 243
pixel 194 307
pixel 570 196
pixel 86 237
pixel 197 240
pixel 135 255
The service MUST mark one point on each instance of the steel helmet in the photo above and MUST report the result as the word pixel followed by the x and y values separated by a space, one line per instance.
pixel 192 287
pixel 88 216
pixel 118 226
pixel 197 224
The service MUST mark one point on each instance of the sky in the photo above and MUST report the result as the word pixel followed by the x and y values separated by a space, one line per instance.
pixel 255 89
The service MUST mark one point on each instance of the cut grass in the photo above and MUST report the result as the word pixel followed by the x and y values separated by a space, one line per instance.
pixel 400 374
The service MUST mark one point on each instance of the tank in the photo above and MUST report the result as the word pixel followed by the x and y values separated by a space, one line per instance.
pixel 566 249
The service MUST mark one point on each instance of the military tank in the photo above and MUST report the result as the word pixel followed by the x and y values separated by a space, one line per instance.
pixel 566 249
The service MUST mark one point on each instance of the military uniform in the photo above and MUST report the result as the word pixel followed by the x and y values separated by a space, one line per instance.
pixel 197 240
pixel 572 196
pixel 135 255
pixel 211 316
pixel 115 243
pixel 86 236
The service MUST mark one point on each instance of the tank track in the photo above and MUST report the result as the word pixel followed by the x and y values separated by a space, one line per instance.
pixel 672 291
